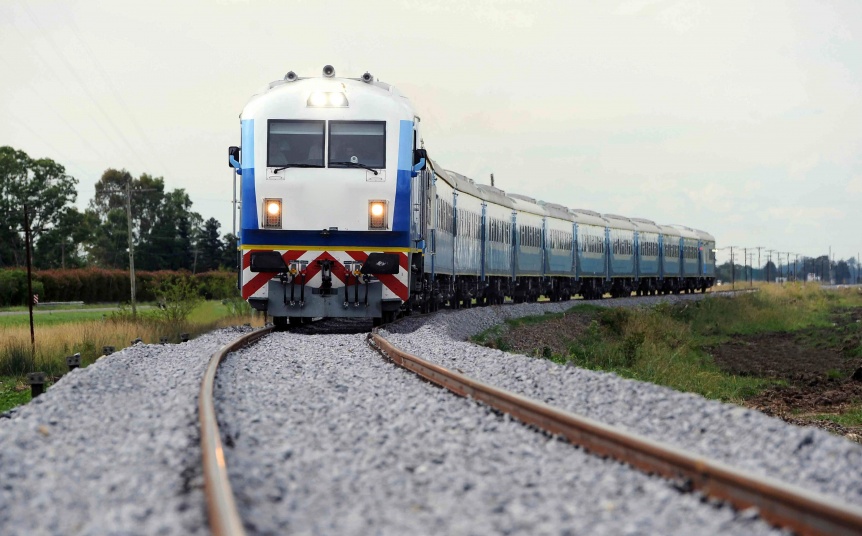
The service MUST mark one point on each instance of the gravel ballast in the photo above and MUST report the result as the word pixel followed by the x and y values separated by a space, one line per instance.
pixel 746 439
pixel 325 436
pixel 112 448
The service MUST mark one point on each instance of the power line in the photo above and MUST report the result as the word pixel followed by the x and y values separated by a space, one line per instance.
pixel 60 81
pixel 84 139
pixel 84 86
pixel 110 83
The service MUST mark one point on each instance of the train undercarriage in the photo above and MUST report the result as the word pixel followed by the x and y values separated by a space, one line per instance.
pixel 455 292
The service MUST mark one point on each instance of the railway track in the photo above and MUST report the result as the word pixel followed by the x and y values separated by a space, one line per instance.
pixel 781 504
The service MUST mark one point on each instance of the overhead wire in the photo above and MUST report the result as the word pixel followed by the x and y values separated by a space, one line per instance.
pixel 83 85
pixel 36 91
pixel 110 84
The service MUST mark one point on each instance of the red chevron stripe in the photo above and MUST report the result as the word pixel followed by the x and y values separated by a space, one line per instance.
pixel 389 280
pixel 260 279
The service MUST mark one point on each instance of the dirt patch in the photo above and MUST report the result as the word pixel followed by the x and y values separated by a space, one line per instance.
pixel 788 356
pixel 552 336
pixel 818 365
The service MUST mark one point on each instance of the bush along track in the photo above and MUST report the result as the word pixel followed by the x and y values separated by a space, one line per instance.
pixel 793 352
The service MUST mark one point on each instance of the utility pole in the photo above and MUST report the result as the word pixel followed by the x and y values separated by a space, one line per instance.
pixel 751 271
pixel 492 180
pixel 128 194
pixel 732 271
pixel 29 279
pixel 758 259
pixel 745 263
pixel 768 262
pixel 131 248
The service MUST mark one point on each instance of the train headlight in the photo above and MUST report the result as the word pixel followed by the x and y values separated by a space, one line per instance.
pixel 327 99
pixel 272 213
pixel 377 214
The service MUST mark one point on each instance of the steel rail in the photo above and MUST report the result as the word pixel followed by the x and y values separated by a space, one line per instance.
pixel 221 509
pixel 779 503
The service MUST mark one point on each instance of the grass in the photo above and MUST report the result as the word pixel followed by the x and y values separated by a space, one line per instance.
pixel 63 307
pixel 849 418
pixel 55 341
pixel 666 344
pixel 12 393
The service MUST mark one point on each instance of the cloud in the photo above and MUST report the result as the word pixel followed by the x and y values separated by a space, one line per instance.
pixel 815 216
pixel 854 186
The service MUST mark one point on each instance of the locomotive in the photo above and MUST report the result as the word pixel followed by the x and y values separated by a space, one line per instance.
pixel 344 214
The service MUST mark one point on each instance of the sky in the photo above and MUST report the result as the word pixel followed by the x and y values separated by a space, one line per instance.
pixel 740 118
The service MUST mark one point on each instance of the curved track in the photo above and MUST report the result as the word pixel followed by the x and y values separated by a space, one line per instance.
pixel 781 504
pixel 221 508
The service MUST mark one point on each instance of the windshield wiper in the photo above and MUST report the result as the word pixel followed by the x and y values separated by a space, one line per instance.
pixel 354 164
pixel 276 170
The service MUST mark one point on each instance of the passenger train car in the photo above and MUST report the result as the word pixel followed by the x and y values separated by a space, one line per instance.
pixel 343 214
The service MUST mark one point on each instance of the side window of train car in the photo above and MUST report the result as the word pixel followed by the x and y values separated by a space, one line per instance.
pixel 357 142
pixel 298 143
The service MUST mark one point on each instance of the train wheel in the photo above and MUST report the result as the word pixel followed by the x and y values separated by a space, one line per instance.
pixel 280 322
pixel 295 320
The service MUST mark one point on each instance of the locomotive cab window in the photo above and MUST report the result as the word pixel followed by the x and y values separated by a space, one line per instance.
pixel 357 142
pixel 295 143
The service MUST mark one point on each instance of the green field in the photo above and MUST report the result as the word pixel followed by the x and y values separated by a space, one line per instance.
pixel 672 345
pixel 63 333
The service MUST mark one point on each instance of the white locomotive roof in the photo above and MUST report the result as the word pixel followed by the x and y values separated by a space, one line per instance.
pixel 524 204
pixel 284 97
pixel 619 222
pixel 557 211
pixel 685 232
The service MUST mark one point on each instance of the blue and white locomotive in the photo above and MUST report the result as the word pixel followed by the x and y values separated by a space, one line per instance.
pixel 344 215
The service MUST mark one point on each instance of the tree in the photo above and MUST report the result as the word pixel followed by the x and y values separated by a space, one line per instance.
pixel 169 245
pixel 229 257
pixel 109 243
pixel 61 246
pixel 209 247
pixel 44 186
pixel 842 272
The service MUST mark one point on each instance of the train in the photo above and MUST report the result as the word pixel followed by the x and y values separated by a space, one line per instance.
pixel 343 213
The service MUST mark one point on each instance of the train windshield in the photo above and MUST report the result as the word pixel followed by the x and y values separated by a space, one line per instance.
pixel 295 143
pixel 357 142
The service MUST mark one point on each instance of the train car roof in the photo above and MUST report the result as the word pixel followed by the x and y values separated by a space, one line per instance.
pixel 704 235
pixel 523 204
pixel 557 211
pixel 669 230
pixel 646 225
pixel 685 232
pixel 456 180
pixel 619 222
pixel 495 195
pixel 588 217
pixel 586 211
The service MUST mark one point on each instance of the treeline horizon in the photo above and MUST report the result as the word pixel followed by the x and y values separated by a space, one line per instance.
pixel 166 233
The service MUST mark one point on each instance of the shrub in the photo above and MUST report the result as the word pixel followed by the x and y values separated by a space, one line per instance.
pixel 177 297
